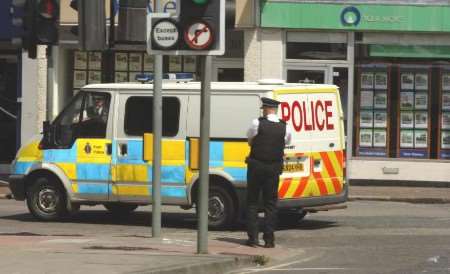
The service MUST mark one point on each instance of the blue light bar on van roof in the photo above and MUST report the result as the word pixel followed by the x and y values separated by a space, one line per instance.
pixel 179 77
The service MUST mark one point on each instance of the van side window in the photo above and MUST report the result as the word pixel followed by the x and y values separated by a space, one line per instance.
pixel 139 116
pixel 85 117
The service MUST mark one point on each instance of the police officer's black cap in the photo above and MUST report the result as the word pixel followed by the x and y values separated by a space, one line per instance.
pixel 269 103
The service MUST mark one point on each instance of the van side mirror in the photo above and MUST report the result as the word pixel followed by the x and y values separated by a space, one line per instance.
pixel 46 132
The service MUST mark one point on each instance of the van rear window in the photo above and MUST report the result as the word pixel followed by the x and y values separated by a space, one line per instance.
pixel 139 116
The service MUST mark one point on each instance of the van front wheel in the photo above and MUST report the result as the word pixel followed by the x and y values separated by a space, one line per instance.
pixel 46 200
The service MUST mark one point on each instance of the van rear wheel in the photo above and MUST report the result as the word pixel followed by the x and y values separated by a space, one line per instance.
pixel 46 200
pixel 221 208
pixel 119 208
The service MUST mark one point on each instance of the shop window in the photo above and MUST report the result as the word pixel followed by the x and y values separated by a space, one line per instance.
pixel 403 110
pixel 372 104
pixel 413 114
pixel 316 51
pixel 181 64
pixel 127 65
pixel 138 107
pixel 87 68
pixel 444 114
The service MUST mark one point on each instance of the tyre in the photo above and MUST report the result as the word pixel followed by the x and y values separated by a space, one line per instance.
pixel 46 199
pixel 221 208
pixel 120 208
pixel 291 217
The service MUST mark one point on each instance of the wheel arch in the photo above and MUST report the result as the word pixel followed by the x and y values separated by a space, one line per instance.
pixel 217 180
pixel 49 171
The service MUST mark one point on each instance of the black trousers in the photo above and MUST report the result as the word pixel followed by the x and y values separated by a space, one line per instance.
pixel 262 178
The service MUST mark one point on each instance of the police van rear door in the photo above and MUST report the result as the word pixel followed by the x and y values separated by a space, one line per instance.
pixel 314 161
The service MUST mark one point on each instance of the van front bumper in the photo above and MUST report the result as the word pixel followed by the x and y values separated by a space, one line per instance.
pixel 315 201
pixel 17 186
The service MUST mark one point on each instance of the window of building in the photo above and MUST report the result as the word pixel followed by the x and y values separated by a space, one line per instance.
pixel 87 68
pixel 138 107
pixel 402 104
pixel 316 51
pixel 129 64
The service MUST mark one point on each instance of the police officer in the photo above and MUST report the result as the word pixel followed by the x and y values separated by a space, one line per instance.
pixel 267 137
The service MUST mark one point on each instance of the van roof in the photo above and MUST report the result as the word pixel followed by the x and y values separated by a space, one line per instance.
pixel 244 86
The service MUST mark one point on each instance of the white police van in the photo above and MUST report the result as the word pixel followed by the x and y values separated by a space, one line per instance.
pixel 86 160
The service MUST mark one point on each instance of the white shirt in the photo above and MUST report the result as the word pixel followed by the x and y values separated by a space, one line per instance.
pixel 253 130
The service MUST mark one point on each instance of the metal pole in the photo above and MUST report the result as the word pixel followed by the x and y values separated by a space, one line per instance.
pixel 350 92
pixel 157 136
pixel 205 109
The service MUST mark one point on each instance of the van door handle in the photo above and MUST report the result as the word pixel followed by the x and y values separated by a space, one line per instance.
pixel 108 149
pixel 331 145
pixel 123 148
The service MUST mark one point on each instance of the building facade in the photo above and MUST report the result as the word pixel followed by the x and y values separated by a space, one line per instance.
pixel 389 58
pixel 391 62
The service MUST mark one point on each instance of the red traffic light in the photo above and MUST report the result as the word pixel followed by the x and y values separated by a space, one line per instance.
pixel 47 9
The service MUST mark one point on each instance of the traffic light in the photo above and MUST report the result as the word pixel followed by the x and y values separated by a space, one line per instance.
pixel 197 29
pixel 47 16
pixel 91 29
pixel 23 15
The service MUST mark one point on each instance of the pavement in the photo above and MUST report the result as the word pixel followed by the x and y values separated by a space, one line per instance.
pixel 176 253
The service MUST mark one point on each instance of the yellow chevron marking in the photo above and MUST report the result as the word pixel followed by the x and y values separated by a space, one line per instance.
pixel 292 187
pixel 335 163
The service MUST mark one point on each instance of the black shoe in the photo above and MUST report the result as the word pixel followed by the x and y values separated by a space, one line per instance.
pixel 269 245
pixel 251 243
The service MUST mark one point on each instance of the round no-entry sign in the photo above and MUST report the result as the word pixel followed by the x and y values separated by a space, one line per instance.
pixel 165 34
pixel 199 35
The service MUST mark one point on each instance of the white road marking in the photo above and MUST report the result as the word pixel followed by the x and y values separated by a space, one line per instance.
pixel 311 269
pixel 68 241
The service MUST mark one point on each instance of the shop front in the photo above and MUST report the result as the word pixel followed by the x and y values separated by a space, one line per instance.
pixel 392 64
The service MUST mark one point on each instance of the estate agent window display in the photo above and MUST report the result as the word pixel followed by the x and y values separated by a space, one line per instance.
pixel 444 114
pixel 87 68
pixel 413 115
pixel 372 111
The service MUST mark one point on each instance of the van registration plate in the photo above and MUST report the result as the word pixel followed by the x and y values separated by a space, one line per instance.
pixel 293 167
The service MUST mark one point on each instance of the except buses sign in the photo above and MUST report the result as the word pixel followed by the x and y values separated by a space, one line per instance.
pixel 165 34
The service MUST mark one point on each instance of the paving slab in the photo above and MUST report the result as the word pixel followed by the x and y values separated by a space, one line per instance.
pixel 174 253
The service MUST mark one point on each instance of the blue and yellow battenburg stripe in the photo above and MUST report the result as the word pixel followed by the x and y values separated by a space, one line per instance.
pixel 87 161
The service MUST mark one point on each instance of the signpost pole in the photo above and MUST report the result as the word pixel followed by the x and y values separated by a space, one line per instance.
pixel 205 109
pixel 157 136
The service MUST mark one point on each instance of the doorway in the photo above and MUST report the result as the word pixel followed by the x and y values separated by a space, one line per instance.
pixel 9 118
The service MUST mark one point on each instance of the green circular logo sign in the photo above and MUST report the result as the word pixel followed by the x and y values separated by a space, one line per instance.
pixel 350 16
